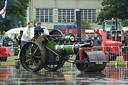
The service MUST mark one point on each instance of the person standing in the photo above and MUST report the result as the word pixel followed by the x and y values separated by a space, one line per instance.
pixel 37 29
pixel 96 30
pixel 97 40
pixel 6 41
pixel 26 35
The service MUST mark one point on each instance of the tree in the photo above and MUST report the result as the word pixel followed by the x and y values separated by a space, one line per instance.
pixel 84 24
pixel 16 11
pixel 113 9
pixel 125 23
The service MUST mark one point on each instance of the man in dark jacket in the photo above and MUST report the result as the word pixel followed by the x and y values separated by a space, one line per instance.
pixel 37 29
pixel 97 40
pixel 6 41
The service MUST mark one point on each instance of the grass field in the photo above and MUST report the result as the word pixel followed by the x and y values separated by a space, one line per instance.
pixel 11 61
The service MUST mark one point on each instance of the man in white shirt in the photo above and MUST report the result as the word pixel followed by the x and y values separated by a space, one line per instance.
pixel 26 35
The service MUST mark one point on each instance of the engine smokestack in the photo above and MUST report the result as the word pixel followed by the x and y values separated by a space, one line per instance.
pixel 78 21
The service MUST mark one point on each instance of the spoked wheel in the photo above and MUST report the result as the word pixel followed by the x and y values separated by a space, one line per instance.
pixel 33 56
pixel 53 67
pixel 82 66
pixel 94 66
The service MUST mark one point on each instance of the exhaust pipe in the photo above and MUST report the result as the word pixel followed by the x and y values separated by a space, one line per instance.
pixel 78 21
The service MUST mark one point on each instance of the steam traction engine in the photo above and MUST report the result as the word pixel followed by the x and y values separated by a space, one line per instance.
pixel 52 51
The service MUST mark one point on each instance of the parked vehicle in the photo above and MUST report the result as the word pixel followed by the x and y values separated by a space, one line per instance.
pixel 4 53
pixel 112 29
pixel 114 36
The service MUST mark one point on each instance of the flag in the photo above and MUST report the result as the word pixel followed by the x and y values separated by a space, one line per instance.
pixel 3 11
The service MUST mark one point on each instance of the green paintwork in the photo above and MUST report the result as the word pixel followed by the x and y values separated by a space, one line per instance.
pixel 39 39
pixel 51 44
pixel 68 48
pixel 67 38
pixel 19 54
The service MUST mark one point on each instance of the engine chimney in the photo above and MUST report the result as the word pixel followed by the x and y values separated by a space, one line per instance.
pixel 78 21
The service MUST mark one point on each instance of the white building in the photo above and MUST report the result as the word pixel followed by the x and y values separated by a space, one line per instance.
pixel 62 12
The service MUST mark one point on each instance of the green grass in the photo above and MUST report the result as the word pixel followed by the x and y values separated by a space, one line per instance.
pixel 11 61
pixel 119 61
pixel 116 63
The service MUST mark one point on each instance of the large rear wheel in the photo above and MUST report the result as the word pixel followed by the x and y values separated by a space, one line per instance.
pixel 33 56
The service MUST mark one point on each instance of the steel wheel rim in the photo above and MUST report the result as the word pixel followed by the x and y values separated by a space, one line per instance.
pixel 84 66
pixel 32 57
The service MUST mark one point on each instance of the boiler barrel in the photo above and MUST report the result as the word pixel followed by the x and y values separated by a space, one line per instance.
pixel 70 49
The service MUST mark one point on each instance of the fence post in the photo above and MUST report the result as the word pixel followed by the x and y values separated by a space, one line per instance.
pixel 116 63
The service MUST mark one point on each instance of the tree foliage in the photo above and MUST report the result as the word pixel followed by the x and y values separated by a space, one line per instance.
pixel 84 24
pixel 125 23
pixel 16 11
pixel 113 9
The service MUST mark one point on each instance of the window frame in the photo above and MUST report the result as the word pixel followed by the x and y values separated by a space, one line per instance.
pixel 44 15
pixel 66 15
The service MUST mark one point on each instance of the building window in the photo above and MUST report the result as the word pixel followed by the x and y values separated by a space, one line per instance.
pixel 66 15
pixel 89 14
pixel 44 15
